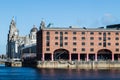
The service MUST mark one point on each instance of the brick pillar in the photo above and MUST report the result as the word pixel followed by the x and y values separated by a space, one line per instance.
pixel 96 57
pixel 78 57
pixel 43 57
pixel 87 57
pixel 69 57
pixel 112 57
pixel 52 57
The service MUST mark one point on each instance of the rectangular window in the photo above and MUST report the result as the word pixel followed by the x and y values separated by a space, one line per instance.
pixel 117 44
pixel 117 50
pixel 56 32
pixel 109 44
pixel 83 33
pixel 100 33
pixel 48 33
pixel 74 49
pixel 66 43
pixel 83 38
pixel 74 38
pixel 56 38
pixel 47 43
pixel 117 38
pixel 104 44
pixel 91 49
pixel 100 38
pixel 109 38
pixel 74 32
pixel 66 32
pixel 91 33
pixel 61 39
pixel 99 44
pixel 104 34
pixel 117 33
pixel 109 33
pixel 47 49
pixel 74 43
pixel 83 43
pixel 91 43
pixel 83 49
pixel 66 38
pixel 61 33
pixel 47 37
pixel 56 43
pixel 104 38
pixel 91 38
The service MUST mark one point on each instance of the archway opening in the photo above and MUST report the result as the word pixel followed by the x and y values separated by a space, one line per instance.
pixel 48 56
pixel 83 57
pixel 74 56
pixel 92 57
pixel 104 54
pixel 61 54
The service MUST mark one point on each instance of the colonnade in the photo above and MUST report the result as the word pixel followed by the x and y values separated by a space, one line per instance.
pixel 83 57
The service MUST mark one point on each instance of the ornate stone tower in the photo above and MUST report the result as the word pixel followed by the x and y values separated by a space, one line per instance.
pixel 16 43
pixel 42 25
pixel 12 44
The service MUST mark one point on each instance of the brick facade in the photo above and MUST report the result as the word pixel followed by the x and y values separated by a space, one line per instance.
pixel 78 44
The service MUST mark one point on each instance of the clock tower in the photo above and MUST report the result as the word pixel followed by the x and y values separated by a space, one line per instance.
pixel 12 44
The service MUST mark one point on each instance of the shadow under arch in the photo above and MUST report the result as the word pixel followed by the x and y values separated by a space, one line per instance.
pixel 104 54
pixel 61 54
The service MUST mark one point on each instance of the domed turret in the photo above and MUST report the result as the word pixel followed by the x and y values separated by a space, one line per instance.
pixel 34 29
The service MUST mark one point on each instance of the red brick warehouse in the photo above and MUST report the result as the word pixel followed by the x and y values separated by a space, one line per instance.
pixel 78 43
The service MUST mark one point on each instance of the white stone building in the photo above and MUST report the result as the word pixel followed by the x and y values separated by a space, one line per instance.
pixel 16 43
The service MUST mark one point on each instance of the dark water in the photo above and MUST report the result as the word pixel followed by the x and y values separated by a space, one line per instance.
pixel 8 73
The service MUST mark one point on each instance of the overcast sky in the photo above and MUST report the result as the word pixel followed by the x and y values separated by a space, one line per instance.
pixel 62 13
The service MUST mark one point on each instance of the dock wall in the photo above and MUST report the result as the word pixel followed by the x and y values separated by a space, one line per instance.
pixel 79 64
